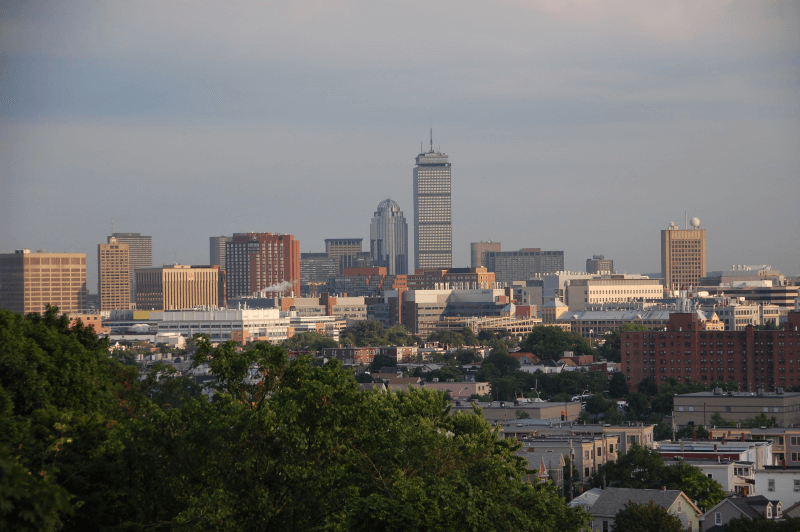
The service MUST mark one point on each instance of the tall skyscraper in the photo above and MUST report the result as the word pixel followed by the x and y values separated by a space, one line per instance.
pixel 683 256
pixel 141 254
pixel 478 252
pixel 31 281
pixel 217 251
pixel 114 275
pixel 433 226
pixel 255 261
pixel 388 238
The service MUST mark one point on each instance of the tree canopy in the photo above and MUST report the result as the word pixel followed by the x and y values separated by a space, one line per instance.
pixel 646 518
pixel 549 342
pixel 610 350
pixel 309 341
pixel 373 333
pixel 271 444
pixel 644 469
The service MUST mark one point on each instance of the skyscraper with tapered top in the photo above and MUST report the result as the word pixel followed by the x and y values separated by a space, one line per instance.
pixel 433 226
pixel 388 238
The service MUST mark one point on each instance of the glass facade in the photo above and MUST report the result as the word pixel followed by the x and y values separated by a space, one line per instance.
pixel 388 238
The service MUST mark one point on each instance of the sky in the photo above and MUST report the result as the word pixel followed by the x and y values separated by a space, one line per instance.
pixel 582 126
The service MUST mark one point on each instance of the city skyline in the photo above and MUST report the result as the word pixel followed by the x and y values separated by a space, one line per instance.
pixel 583 129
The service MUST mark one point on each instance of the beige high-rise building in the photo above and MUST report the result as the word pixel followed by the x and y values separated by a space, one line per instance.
pixel 683 256
pixel 31 281
pixel 141 254
pixel 177 287
pixel 478 252
pixel 114 275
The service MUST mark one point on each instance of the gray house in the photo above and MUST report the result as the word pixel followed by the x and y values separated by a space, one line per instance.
pixel 717 517
pixel 612 500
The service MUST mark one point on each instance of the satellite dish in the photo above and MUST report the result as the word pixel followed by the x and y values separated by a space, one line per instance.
pixel 695 222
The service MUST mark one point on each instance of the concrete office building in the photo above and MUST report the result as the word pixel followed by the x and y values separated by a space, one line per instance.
pixel 683 256
pixel 346 251
pixel 140 249
pixel 599 264
pixel 114 275
pixel 31 281
pixel 388 238
pixel 262 261
pixel 478 252
pixel 177 287
pixel 217 251
pixel 433 225
pixel 582 293
pixel 524 264
pixel 697 408
pixel 316 269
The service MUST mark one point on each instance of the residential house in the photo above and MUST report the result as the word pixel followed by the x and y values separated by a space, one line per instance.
pixel 737 507
pixel 613 500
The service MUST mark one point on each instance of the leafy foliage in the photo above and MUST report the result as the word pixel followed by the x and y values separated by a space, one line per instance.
pixel 760 420
pixel 549 343
pixel 646 518
pixel 643 469
pixel 309 341
pixel 611 348
pixel 372 333
pixel 618 385
pixel 762 524
pixel 281 445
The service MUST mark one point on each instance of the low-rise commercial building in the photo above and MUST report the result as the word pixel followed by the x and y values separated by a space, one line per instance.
pixel 697 408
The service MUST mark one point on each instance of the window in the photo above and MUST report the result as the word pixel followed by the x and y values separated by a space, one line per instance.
pixel 717 518
pixel 771 484
pixel 585 455
pixel 605 526
pixel 797 485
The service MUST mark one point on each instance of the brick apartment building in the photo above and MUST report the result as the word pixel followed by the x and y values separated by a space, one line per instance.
pixel 687 351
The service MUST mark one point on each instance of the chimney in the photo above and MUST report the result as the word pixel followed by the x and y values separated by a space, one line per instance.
pixel 742 436
pixel 663 488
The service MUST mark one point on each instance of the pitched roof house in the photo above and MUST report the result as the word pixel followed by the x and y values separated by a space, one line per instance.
pixel 612 500
pixel 717 517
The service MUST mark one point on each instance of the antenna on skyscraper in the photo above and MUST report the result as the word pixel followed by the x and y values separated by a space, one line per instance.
pixel 431 139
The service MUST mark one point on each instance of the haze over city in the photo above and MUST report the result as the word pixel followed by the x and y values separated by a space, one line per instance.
pixel 583 127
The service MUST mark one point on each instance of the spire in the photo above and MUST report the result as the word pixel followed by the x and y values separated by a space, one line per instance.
pixel 431 140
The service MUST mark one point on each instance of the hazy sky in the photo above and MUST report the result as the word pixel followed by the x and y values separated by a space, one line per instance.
pixel 578 126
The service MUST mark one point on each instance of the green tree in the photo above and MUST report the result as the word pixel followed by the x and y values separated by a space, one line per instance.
pixel 447 338
pixel 648 386
pixel 504 364
pixel 597 404
pixel 762 524
pixel 467 356
pixel 383 361
pixel 643 469
pixel 309 341
pixel 618 385
pixel 646 518
pixel 280 445
pixel 611 348
pixel 638 405
pixel 549 342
